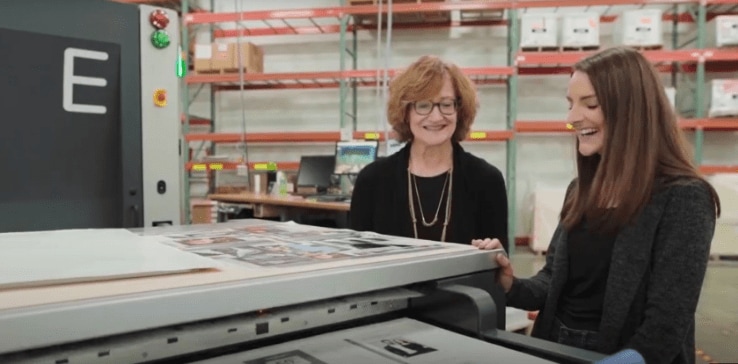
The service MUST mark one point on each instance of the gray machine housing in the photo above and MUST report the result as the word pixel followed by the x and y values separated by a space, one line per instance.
pixel 199 322
pixel 84 145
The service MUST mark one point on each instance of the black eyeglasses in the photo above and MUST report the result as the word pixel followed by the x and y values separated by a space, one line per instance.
pixel 446 107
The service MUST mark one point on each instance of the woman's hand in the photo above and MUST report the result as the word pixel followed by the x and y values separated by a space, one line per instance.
pixel 505 273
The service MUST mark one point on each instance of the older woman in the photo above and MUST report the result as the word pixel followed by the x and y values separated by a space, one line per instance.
pixel 431 189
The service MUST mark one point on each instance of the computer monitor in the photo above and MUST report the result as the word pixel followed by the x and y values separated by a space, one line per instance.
pixel 315 171
pixel 352 156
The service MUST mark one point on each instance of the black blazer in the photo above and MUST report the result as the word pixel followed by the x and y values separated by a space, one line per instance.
pixel 656 272
pixel 379 201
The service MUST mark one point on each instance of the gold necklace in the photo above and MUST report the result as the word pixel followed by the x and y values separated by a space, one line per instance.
pixel 447 218
pixel 420 203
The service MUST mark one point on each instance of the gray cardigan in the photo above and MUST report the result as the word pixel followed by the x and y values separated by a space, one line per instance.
pixel 657 267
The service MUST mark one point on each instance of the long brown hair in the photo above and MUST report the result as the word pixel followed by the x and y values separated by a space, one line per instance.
pixel 643 143
pixel 423 80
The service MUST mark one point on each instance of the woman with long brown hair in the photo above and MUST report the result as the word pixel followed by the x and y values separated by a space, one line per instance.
pixel 625 267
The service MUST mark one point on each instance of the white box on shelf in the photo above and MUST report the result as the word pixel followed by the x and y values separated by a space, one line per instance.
pixel 723 98
pixel 639 28
pixel 722 31
pixel 579 30
pixel 671 94
pixel 538 30
pixel 547 202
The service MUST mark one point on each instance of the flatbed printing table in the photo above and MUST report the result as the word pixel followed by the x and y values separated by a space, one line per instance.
pixel 278 284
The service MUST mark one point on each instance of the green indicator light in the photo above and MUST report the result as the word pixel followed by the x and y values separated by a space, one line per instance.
pixel 181 64
pixel 160 39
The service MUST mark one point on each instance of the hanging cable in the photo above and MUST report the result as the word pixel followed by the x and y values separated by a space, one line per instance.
pixel 379 96
pixel 385 77
pixel 240 60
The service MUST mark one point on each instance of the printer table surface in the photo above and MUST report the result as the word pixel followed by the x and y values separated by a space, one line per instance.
pixel 45 316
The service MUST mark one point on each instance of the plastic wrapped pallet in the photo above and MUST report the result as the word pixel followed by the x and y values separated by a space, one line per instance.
pixel 722 31
pixel 579 30
pixel 538 31
pixel 723 97
pixel 639 28
pixel 671 94
pixel 725 240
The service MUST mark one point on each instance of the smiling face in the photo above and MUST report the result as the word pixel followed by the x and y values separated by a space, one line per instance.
pixel 436 127
pixel 585 114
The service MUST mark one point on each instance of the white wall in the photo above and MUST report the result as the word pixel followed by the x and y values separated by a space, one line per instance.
pixel 541 159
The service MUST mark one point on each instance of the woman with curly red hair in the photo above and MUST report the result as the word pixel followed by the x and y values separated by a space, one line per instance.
pixel 431 189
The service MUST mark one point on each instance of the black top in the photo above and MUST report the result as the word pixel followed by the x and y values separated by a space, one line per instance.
pixel 380 202
pixel 584 293
pixel 433 192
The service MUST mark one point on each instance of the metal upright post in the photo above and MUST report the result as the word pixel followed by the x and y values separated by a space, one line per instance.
pixel 185 99
pixel 354 83
pixel 512 111
pixel 699 134
pixel 213 116
pixel 343 82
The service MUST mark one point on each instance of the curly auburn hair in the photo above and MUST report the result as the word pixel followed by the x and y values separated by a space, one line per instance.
pixel 423 80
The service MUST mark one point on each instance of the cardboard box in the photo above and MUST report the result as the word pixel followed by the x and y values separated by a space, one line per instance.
pixel 220 58
pixel 580 30
pixel 252 58
pixel 202 58
pixel 723 98
pixel 722 31
pixel 204 213
pixel 538 30
pixel 639 28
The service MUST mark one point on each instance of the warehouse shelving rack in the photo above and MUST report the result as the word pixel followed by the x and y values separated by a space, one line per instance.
pixel 698 60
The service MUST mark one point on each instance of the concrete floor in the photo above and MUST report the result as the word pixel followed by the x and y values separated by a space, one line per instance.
pixel 717 311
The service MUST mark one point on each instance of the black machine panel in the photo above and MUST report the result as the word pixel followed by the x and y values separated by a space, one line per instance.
pixel 71 115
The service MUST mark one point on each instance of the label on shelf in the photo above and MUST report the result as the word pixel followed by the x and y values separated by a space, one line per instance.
pixel 203 51
pixel 371 136
pixel 478 135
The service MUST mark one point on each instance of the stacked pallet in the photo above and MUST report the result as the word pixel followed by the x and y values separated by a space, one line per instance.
pixel 224 58
pixel 489 15
pixel 411 17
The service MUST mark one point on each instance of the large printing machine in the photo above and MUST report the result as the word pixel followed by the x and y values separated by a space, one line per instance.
pixel 448 296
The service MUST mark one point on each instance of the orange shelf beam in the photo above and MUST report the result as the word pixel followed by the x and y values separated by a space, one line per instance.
pixel 336 28
pixel 338 12
pixel 712 169
pixel 658 56
pixel 196 120
pixel 553 126
pixel 226 166
pixel 476 135
pixel 229 166
pixel 322 137
pixel 557 126
pixel 710 124
pixel 718 55
pixel 564 3
pixel 304 137
pixel 331 79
